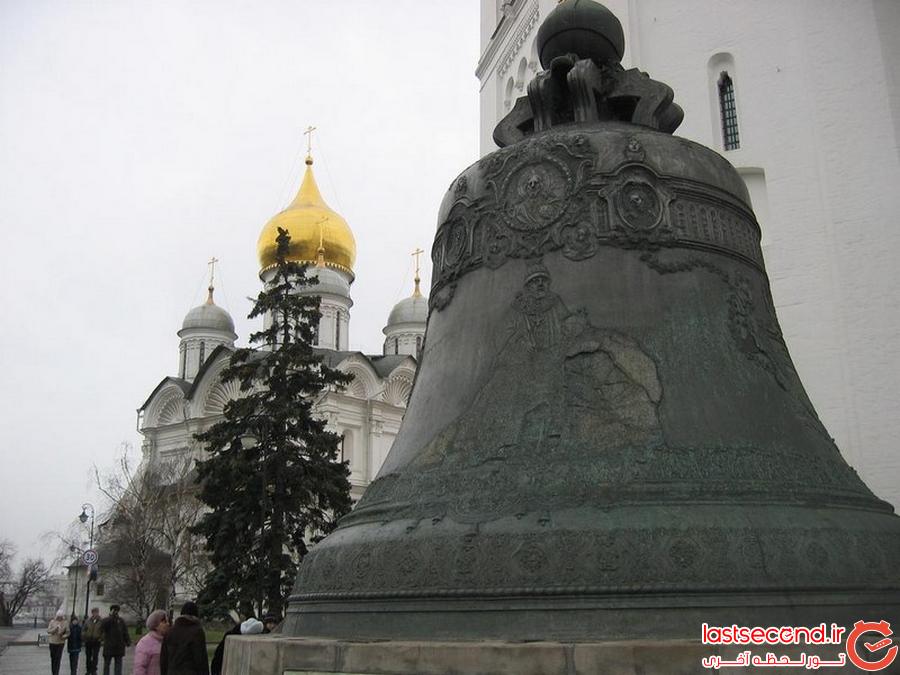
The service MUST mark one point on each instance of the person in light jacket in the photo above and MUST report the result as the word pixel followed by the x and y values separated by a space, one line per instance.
pixel 57 632
pixel 146 654
pixel 184 647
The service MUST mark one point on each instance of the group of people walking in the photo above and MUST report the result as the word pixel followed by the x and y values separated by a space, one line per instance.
pixel 169 648
pixel 110 632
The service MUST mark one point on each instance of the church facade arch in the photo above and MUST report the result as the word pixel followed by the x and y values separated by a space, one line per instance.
pixel 365 382
pixel 166 407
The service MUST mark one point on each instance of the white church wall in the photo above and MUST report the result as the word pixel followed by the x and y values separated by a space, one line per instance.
pixel 404 339
pixel 334 324
pixel 818 150
pixel 195 348
pixel 368 426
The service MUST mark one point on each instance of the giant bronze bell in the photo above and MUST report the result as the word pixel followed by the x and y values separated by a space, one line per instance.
pixel 607 437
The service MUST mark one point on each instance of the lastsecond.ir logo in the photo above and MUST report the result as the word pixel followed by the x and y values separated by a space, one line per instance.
pixel 882 628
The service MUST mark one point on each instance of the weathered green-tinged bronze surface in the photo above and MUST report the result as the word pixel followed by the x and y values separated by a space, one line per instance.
pixel 607 437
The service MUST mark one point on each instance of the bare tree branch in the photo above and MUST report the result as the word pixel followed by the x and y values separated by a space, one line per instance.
pixel 7 553
pixel 147 531
pixel 33 578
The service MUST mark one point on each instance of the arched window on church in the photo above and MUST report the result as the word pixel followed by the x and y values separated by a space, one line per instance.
pixel 728 111
pixel 509 95
pixel 418 346
pixel 183 361
pixel 396 345
pixel 202 353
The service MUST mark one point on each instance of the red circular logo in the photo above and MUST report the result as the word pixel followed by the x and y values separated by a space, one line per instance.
pixel 882 628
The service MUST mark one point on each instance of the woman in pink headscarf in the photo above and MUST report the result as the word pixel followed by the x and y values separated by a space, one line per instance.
pixel 146 654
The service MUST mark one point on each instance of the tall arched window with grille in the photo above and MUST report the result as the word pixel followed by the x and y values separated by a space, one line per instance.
pixel 202 353
pixel 731 138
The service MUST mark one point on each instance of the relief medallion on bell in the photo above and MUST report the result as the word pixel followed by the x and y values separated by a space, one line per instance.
pixel 549 193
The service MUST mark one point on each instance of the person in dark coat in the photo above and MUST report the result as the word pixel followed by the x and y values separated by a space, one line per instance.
pixel 250 627
pixel 115 640
pixel 215 666
pixel 184 647
pixel 74 644
pixel 91 635
pixel 270 623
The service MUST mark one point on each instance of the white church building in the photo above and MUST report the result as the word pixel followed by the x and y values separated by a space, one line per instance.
pixel 803 98
pixel 366 414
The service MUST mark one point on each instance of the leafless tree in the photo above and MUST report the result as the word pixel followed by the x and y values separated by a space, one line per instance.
pixel 16 589
pixel 174 523
pixel 150 554
pixel 7 553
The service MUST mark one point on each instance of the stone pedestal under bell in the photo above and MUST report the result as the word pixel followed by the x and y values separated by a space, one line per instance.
pixel 268 655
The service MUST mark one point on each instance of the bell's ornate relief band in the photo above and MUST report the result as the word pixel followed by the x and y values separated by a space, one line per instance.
pixel 548 193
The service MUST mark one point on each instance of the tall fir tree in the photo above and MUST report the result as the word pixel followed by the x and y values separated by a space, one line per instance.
pixel 272 481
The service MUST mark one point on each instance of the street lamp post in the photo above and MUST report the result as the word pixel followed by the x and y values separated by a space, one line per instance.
pixel 75 549
pixel 83 518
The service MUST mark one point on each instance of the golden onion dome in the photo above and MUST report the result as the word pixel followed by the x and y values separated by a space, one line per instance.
pixel 314 228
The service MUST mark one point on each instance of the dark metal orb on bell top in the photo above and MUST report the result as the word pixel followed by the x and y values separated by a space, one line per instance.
pixel 607 437
pixel 582 27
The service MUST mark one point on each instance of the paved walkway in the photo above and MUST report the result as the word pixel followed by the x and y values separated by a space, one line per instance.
pixel 22 656
pixel 8 634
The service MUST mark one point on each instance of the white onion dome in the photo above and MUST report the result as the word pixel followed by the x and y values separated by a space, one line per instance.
pixel 413 309
pixel 405 329
pixel 209 317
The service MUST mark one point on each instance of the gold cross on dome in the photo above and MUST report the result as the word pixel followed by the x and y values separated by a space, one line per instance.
pixel 212 269
pixel 308 134
pixel 416 292
pixel 417 253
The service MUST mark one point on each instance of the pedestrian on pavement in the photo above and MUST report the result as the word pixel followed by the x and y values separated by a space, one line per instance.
pixel 146 653
pixel 184 647
pixel 74 644
pixel 91 635
pixel 252 626
pixel 270 621
pixel 115 640
pixel 57 632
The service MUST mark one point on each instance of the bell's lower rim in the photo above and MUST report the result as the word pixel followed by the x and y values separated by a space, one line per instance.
pixel 582 618
pixel 599 592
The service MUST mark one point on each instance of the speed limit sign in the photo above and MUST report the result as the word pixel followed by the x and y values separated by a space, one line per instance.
pixel 90 557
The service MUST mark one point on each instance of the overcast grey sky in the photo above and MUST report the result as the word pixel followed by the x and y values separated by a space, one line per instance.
pixel 137 139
